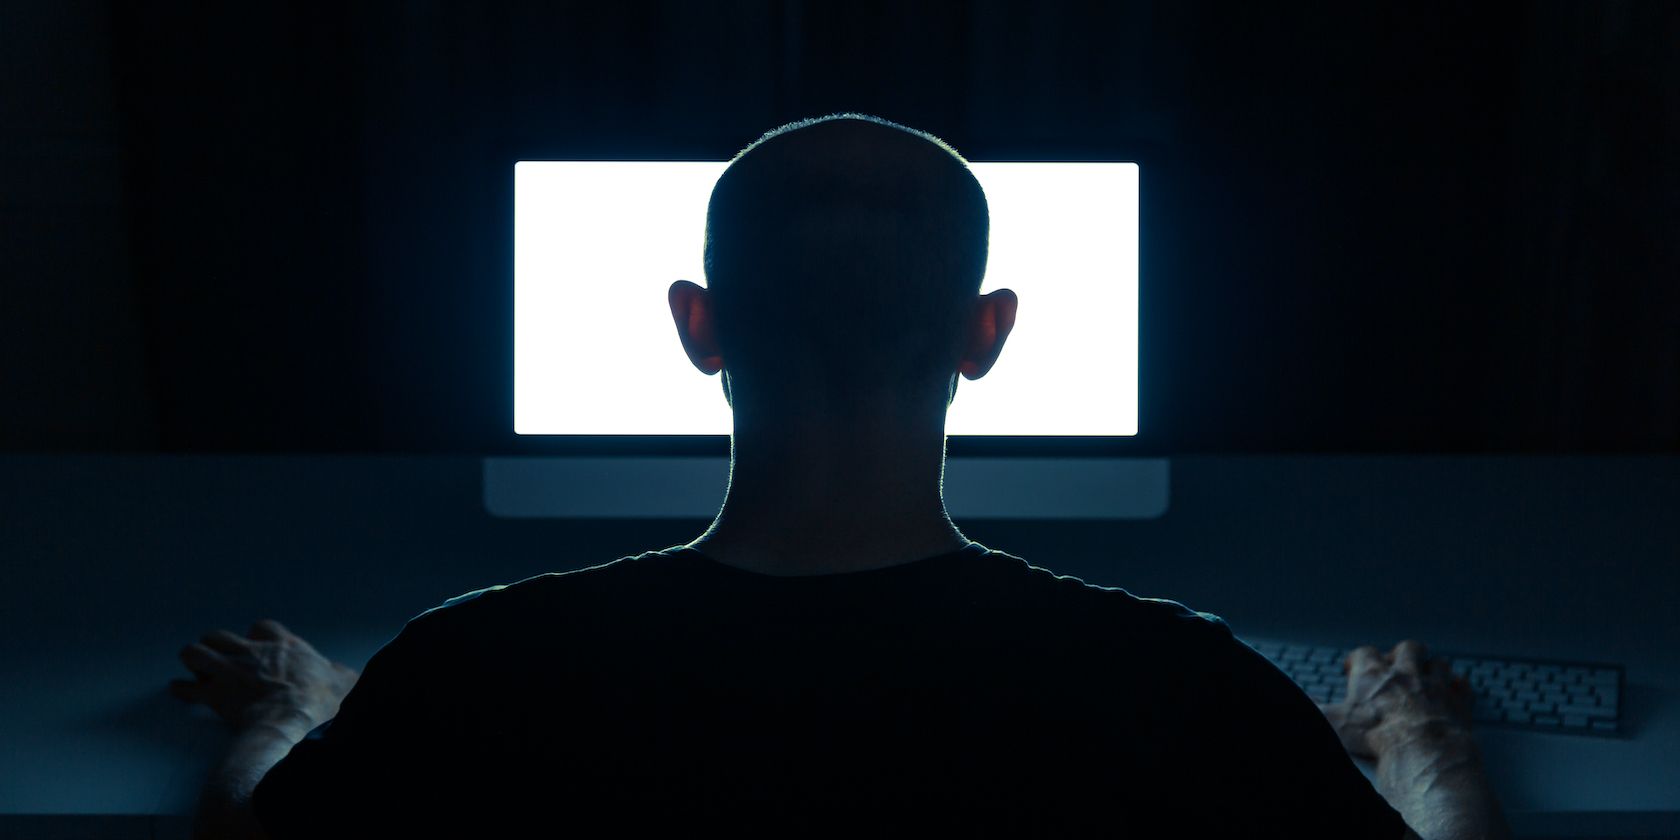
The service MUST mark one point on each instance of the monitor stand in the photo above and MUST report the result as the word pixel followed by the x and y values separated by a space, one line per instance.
pixel 693 488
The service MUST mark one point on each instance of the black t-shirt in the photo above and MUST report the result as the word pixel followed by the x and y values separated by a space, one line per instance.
pixel 965 693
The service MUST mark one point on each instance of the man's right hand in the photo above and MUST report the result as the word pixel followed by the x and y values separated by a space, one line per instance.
pixel 1411 715
pixel 1394 693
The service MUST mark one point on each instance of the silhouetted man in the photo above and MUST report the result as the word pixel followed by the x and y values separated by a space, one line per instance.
pixel 832 654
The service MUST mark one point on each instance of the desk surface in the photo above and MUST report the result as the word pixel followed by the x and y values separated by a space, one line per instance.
pixel 112 563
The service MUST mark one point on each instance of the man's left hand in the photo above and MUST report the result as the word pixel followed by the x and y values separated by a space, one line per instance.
pixel 268 676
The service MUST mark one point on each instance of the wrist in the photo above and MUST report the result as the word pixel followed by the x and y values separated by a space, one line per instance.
pixel 1410 747
pixel 1429 769
pixel 291 719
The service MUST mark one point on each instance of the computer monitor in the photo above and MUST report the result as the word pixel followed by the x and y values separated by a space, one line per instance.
pixel 597 243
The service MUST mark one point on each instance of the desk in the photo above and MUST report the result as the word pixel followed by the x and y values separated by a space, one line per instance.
pixel 112 563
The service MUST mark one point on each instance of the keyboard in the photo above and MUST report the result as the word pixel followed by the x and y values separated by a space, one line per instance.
pixel 1580 698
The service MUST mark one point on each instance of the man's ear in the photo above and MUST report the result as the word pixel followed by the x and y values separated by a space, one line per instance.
pixel 691 308
pixel 988 328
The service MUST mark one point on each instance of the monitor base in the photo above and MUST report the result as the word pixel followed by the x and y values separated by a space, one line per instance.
pixel 693 488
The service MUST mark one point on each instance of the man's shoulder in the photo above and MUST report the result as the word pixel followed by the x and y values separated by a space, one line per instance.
pixel 647 570
pixel 1062 591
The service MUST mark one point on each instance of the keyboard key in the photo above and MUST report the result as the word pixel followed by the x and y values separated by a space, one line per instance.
pixel 1604 725
pixel 1546 720
pixel 1574 722
pixel 1517 717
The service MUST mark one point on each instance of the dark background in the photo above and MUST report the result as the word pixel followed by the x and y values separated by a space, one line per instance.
pixel 1417 227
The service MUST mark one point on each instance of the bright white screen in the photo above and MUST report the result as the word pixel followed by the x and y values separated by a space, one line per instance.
pixel 596 245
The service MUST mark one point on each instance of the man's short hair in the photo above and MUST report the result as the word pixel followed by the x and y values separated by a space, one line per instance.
pixel 843 253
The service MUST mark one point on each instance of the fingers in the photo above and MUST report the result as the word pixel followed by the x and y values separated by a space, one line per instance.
pixel 1365 660
pixel 220 653
pixel 268 629
pixel 203 661
pixel 222 641
pixel 1410 657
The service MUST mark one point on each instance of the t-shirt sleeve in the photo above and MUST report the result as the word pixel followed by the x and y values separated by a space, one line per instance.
pixel 375 756
pixel 1277 748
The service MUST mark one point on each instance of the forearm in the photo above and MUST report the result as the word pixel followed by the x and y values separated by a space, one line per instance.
pixel 224 808
pixel 1431 772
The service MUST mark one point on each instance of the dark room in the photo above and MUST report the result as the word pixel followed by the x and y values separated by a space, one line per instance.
pixel 657 417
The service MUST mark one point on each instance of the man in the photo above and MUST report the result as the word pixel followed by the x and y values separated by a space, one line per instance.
pixel 832 654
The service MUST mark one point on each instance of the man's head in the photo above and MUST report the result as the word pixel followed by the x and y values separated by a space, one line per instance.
pixel 843 261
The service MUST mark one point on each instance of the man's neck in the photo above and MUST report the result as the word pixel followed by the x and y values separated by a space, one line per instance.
pixel 828 502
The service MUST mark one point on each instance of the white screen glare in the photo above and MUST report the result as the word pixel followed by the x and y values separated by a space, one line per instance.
pixel 598 243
